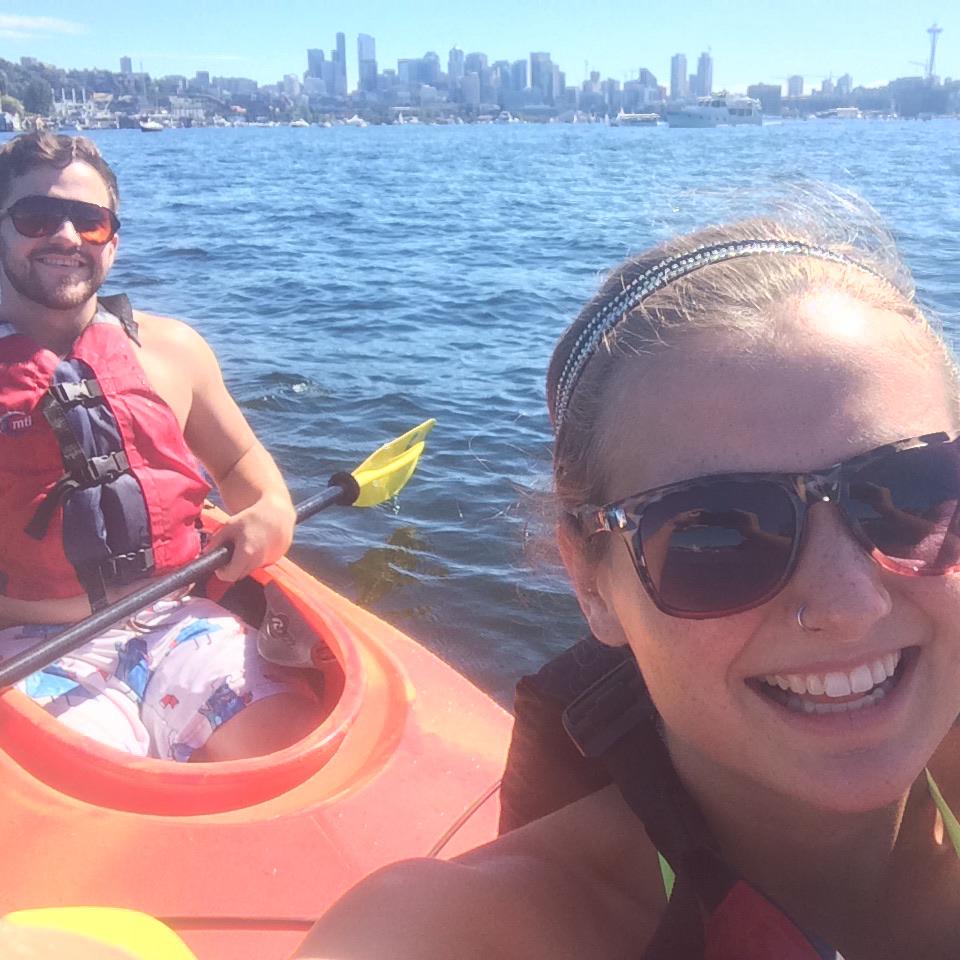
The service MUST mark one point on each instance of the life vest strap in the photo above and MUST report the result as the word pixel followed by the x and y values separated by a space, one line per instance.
pixel 126 567
pixel 90 472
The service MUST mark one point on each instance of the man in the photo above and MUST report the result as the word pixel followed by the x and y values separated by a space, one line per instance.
pixel 103 410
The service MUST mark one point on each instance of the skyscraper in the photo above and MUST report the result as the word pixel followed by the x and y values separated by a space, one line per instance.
pixel 518 74
pixel 678 76
pixel 430 68
pixel 646 78
pixel 474 62
pixel 341 77
pixel 454 67
pixel 795 86
pixel 315 63
pixel 705 75
pixel 126 66
pixel 769 95
pixel 541 76
pixel 366 63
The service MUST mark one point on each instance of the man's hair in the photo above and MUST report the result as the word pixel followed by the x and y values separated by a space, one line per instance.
pixel 41 149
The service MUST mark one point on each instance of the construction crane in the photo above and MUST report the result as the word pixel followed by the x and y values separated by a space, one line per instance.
pixel 934 32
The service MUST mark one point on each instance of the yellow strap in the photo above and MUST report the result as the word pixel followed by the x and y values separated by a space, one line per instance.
pixel 949 820
pixel 666 872
pixel 141 936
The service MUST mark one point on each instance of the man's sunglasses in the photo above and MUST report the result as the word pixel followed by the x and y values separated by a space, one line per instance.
pixel 722 544
pixel 43 216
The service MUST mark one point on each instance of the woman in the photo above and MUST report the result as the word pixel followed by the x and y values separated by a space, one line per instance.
pixel 758 479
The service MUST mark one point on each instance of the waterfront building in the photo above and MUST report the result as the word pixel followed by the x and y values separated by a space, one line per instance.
pixel 126 66
pixel 340 89
pixel 612 95
pixel 329 77
pixel 769 95
pixel 518 75
pixel 470 90
pixel 474 63
pixel 454 67
pixel 408 72
pixel 795 86
pixel 430 69
pixel 845 85
pixel 315 60
pixel 541 76
pixel 366 63
pixel 826 88
pixel 646 78
pixel 705 75
pixel 678 76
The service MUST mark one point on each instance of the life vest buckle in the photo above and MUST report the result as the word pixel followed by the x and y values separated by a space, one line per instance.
pixel 105 469
pixel 68 394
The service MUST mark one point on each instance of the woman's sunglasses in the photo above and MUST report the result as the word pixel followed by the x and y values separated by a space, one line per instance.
pixel 722 544
pixel 43 216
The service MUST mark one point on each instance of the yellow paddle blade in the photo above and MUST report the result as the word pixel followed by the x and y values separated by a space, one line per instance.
pixel 139 935
pixel 386 471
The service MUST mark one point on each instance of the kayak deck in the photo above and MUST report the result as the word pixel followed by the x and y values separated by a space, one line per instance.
pixel 241 856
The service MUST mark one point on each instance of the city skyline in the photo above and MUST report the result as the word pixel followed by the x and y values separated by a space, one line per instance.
pixel 817 42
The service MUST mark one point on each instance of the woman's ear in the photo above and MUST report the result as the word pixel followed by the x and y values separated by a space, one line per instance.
pixel 590 576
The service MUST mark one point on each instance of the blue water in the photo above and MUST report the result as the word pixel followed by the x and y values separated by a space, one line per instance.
pixel 356 281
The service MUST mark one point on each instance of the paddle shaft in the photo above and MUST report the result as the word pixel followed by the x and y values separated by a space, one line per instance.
pixel 343 490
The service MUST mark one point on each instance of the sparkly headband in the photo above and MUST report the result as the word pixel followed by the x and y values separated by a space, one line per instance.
pixel 656 278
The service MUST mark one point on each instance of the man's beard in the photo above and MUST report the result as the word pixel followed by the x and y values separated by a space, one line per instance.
pixel 24 277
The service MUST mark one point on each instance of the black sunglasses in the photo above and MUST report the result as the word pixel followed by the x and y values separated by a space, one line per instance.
pixel 718 545
pixel 38 216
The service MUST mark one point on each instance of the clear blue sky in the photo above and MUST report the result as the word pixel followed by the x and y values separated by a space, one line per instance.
pixel 750 40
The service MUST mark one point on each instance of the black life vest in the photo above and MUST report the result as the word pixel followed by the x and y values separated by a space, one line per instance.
pixel 585 721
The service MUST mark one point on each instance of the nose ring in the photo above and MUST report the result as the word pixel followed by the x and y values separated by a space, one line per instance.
pixel 802 625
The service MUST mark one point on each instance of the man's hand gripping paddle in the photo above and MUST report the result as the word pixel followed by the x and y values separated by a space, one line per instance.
pixel 381 476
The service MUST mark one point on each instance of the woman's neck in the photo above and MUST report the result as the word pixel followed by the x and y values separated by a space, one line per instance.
pixel 841 875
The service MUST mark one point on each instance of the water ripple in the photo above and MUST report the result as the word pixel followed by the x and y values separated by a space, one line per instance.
pixel 355 282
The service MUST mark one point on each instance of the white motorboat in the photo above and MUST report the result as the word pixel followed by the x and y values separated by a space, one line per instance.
pixel 635 119
pixel 721 110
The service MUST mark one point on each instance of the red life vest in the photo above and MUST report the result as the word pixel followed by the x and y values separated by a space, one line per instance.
pixel 97 484
pixel 586 720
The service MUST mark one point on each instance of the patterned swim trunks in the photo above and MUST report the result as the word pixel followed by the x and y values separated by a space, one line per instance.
pixel 157 685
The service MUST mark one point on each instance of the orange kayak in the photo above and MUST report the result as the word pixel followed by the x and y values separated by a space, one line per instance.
pixel 240 857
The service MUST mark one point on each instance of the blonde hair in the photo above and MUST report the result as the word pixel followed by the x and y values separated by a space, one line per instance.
pixel 739 294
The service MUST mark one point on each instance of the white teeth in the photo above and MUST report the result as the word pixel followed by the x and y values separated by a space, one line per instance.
pixel 838 683
pixel 861 679
pixel 60 262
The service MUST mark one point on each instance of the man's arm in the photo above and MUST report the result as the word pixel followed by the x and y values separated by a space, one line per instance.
pixel 262 516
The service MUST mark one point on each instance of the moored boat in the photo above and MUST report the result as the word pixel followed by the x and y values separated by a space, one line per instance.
pixel 635 119
pixel 240 857
pixel 721 110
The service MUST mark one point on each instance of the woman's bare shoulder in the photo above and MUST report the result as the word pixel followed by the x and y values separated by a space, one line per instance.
pixel 580 883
